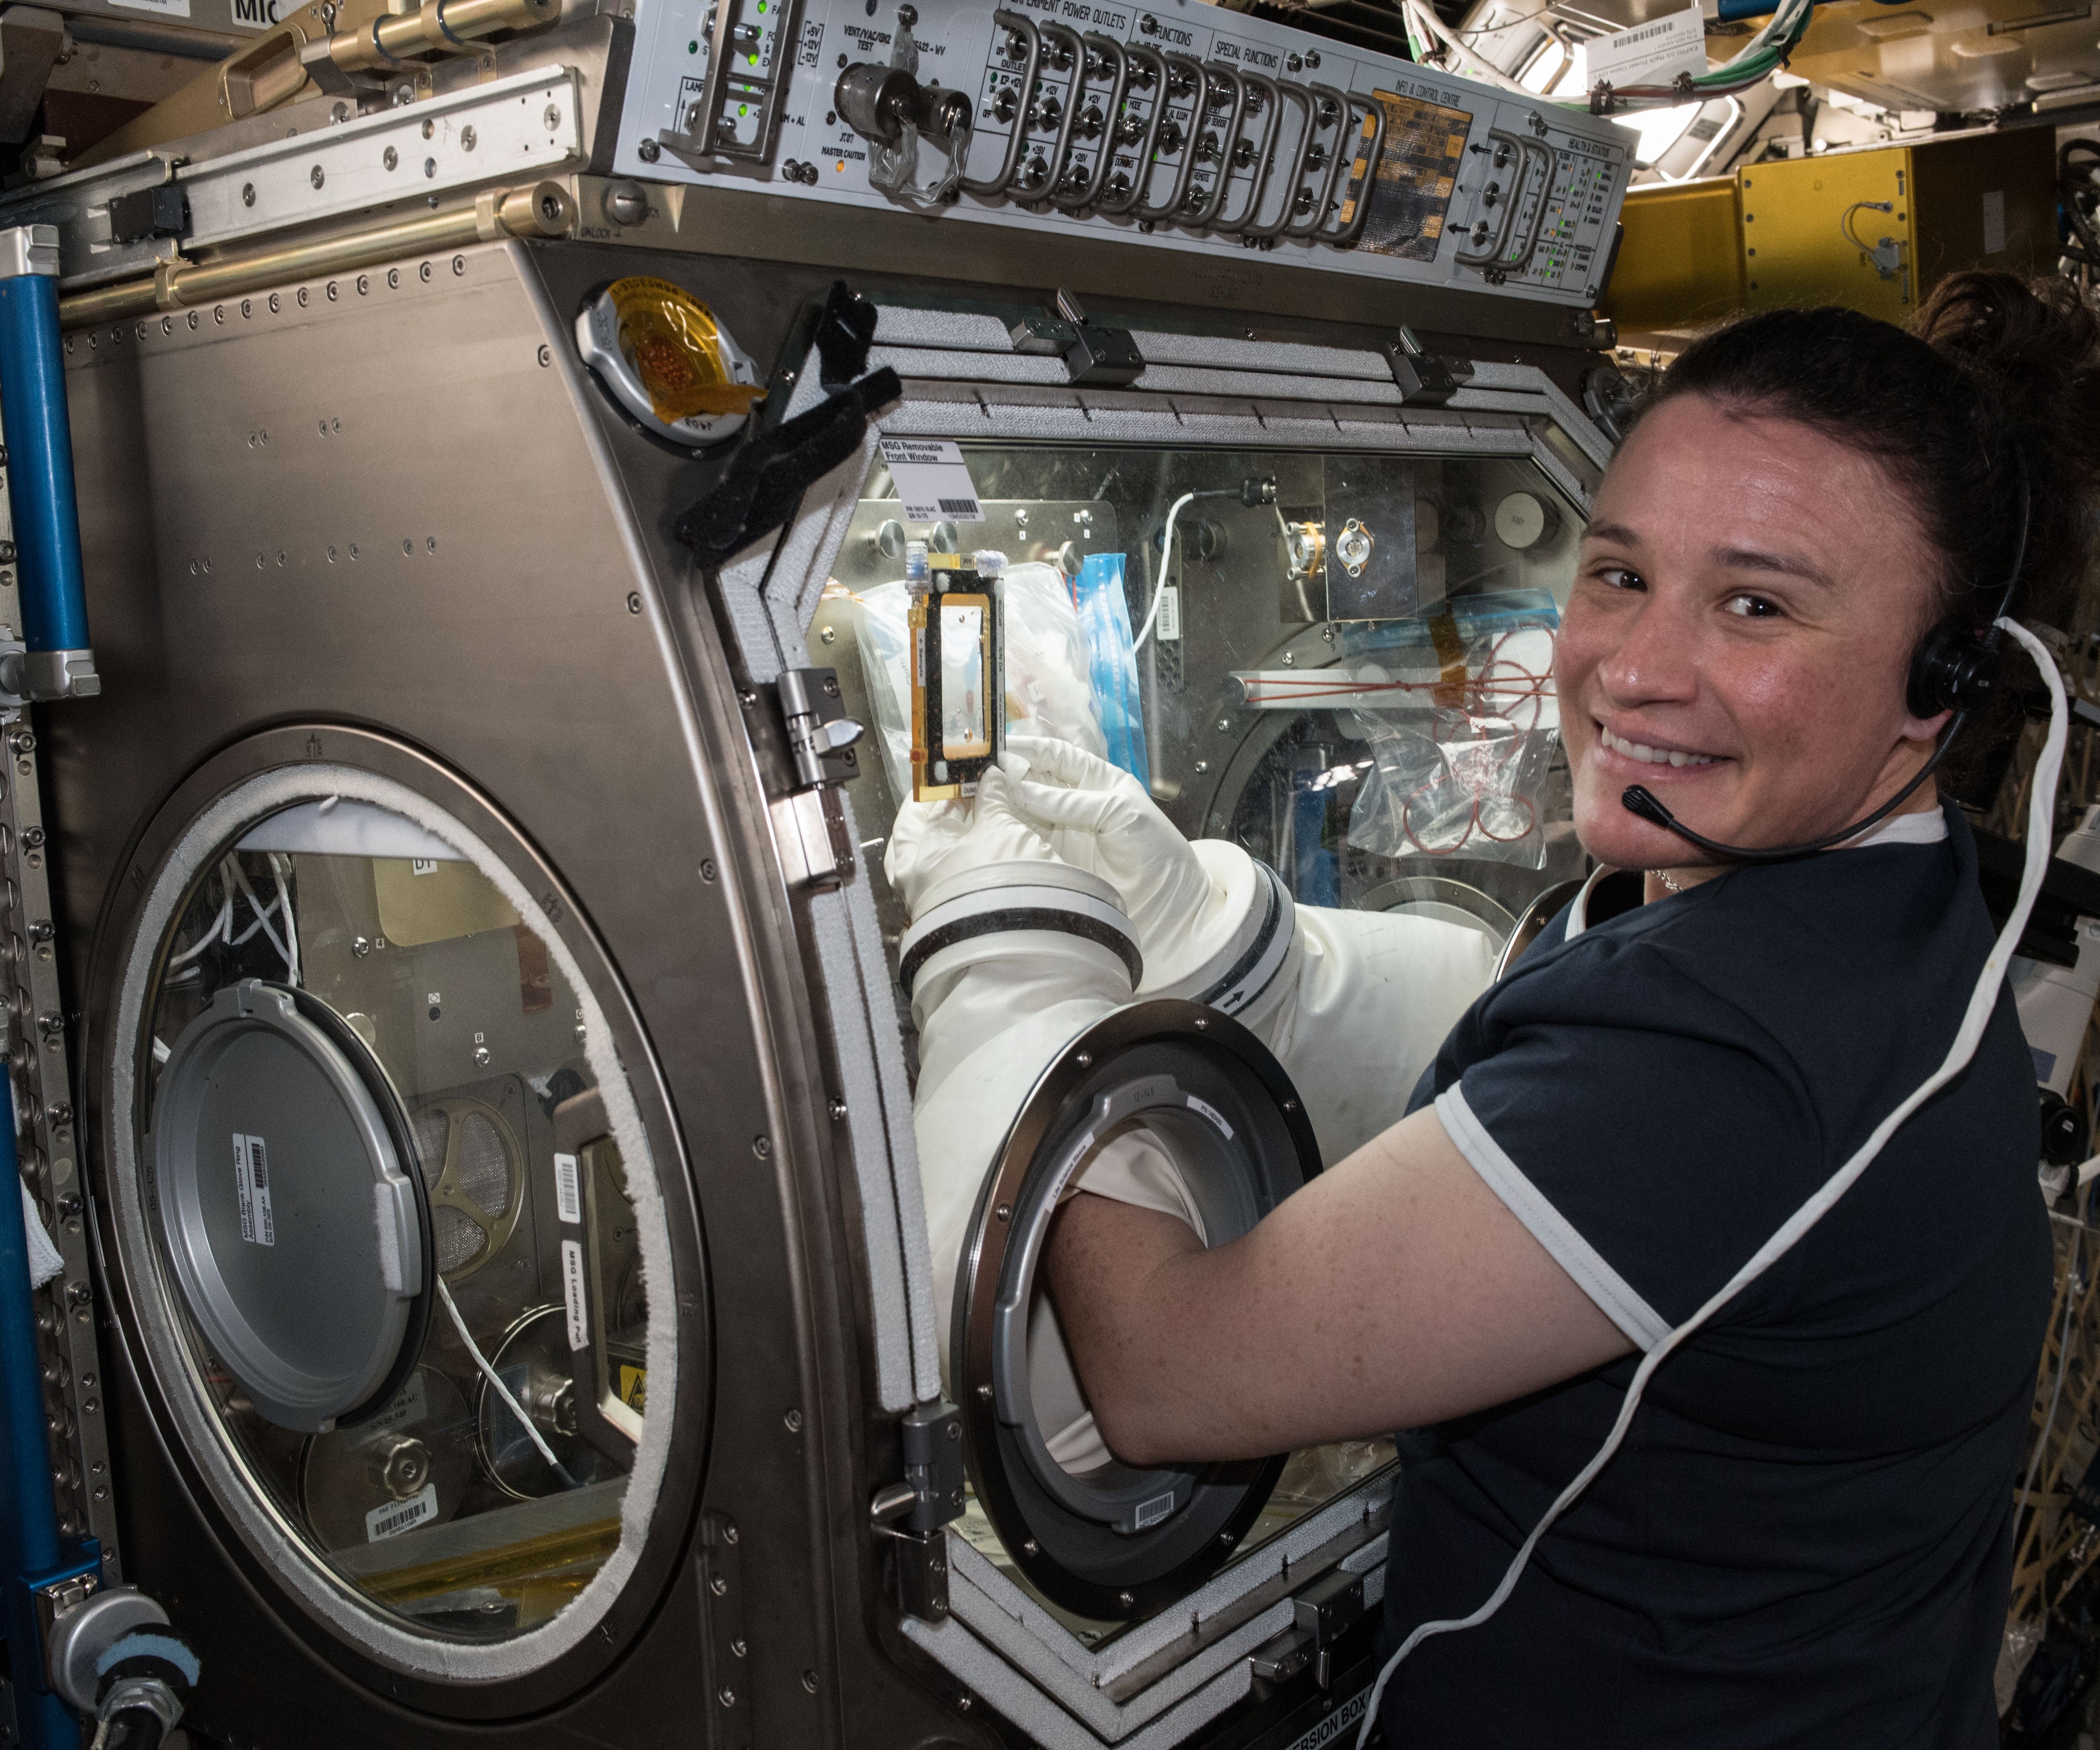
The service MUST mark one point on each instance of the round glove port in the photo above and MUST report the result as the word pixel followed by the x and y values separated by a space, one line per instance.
pixel 1115 1541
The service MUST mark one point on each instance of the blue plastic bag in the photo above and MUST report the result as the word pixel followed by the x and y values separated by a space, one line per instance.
pixel 1105 620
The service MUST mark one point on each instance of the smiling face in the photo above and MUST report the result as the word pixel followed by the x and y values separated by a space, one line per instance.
pixel 1739 636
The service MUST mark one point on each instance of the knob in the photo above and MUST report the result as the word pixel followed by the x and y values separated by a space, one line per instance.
pixel 1003 105
pixel 1036 172
pixel 1097 66
pixel 1179 82
pixel 1142 75
pixel 1207 149
pixel 1494 193
pixel 1090 123
pixel 1218 95
pixel 1073 182
pixel 1119 186
pixel 1330 111
pixel 1316 155
pixel 1243 155
pixel 1253 104
pixel 1129 131
pixel 1048 110
pixel 744 35
pixel 1170 137
pixel 1502 158
pixel 1057 54
pixel 1302 203
pixel 1017 46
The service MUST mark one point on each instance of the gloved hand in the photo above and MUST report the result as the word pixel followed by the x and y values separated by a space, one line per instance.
pixel 933 840
pixel 1121 834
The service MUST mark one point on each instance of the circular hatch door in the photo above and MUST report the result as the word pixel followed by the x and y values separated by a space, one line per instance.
pixel 1099 1537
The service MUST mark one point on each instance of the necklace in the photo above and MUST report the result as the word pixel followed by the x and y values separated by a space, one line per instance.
pixel 1663 876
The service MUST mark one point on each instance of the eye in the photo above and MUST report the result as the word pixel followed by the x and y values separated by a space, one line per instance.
pixel 1620 577
pixel 1753 607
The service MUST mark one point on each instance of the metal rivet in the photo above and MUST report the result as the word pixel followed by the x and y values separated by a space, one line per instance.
pixel 389 157
pixel 466 139
pixel 546 356
pixel 810 1681
pixel 793 1419
pixel 1030 1548
pixel 761 1146
pixel 248 194
pixel 634 601
pixel 984 1392
pixel 828 634
pixel 1005 1212
pixel 726 1696
pixel 1084 1059
pixel 707 869
pixel 1200 1024
pixel 1125 1600
pixel 838 1108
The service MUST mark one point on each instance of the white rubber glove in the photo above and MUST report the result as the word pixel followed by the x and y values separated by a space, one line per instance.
pixel 933 840
pixel 1182 912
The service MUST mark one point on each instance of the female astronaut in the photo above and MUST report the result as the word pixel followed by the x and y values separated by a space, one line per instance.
pixel 1805 1540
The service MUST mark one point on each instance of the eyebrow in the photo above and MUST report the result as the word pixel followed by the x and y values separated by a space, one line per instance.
pixel 1736 558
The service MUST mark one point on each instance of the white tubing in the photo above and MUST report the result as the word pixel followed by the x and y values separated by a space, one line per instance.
pixel 2041 812
pixel 502 1390
pixel 1159 583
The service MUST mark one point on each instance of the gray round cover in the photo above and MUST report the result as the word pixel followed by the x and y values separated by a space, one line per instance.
pixel 289 1205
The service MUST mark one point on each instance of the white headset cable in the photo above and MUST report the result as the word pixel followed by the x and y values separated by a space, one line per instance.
pixel 1982 1003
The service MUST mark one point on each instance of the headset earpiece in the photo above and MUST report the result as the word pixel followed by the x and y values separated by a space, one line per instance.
pixel 1950 670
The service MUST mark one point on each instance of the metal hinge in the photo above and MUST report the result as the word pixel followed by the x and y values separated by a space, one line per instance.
pixel 1326 1610
pixel 810 824
pixel 1425 380
pixel 913 1512
pixel 1099 357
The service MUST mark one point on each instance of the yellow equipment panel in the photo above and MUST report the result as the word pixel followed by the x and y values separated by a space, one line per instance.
pixel 1809 231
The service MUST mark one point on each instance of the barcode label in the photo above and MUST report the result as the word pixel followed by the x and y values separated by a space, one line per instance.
pixel 568 1188
pixel 251 1184
pixel 572 1294
pixel 1169 613
pixel 964 508
pixel 399 1516
pixel 1152 1512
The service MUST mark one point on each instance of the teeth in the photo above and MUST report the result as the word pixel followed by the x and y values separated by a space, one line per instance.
pixel 1633 750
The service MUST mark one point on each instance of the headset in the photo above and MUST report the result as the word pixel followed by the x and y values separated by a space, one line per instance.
pixel 1950 671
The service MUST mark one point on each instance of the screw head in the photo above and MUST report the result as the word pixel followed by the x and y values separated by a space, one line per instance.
pixel 793 1419
pixel 248 192
pixel 707 869
pixel 810 1681
pixel 481 1056
pixel 649 152
pixel 317 176
pixel 1125 1600
pixel 1084 1059
pixel 838 1108
pixel 634 601
pixel 761 1146
pixel 1005 1212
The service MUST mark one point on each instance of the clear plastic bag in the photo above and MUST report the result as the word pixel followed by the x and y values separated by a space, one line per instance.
pixel 1049 689
pixel 1463 773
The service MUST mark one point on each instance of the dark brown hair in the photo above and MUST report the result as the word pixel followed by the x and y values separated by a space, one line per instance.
pixel 1994 374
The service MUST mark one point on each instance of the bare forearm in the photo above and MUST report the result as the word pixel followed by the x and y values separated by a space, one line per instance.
pixel 1132 1287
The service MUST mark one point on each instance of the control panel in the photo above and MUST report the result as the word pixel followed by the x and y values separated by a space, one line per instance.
pixel 1178 125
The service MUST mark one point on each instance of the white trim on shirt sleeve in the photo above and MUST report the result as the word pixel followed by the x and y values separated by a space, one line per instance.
pixel 1644 1326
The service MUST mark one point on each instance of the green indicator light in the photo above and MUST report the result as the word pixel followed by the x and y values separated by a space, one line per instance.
pixel 754 60
pixel 692 48
pixel 744 109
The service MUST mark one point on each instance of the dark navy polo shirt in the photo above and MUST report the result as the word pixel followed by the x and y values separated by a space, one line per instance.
pixel 1805 1539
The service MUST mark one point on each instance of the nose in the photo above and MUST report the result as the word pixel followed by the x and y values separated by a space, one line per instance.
pixel 1652 658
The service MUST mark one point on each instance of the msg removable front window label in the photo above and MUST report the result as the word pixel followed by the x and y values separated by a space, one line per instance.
pixel 933 483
